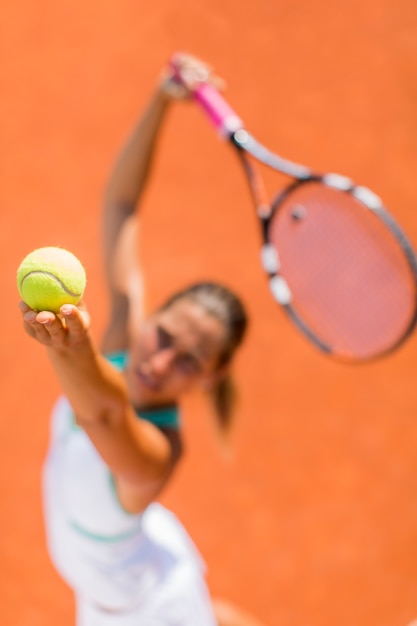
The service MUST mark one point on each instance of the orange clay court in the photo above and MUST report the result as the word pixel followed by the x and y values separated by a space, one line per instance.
pixel 311 519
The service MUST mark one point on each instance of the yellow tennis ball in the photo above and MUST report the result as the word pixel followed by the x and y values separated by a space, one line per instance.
pixel 49 277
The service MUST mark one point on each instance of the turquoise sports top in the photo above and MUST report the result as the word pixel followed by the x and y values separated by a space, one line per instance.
pixel 163 416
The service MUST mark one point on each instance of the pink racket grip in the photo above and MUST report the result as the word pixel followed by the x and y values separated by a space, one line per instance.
pixel 213 104
pixel 217 109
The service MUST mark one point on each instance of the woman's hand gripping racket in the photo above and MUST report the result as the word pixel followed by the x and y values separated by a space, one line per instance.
pixel 337 262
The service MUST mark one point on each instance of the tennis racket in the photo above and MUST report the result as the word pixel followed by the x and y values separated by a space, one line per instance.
pixel 336 260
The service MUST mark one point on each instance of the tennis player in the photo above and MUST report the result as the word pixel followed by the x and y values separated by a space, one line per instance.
pixel 116 431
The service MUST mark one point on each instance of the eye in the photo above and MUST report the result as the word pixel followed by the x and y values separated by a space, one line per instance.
pixel 187 364
pixel 164 338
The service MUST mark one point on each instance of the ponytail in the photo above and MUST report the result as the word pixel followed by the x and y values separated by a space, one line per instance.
pixel 223 398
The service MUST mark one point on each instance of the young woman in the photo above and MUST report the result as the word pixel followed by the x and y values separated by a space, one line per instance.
pixel 115 437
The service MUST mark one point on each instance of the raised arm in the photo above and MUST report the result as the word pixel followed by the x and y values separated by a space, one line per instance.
pixel 125 187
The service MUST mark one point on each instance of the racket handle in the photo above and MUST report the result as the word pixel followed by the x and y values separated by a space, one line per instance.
pixel 220 113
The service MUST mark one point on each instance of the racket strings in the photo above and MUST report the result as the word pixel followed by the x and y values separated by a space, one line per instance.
pixel 351 283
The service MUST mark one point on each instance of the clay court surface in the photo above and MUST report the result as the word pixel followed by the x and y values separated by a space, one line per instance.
pixel 311 520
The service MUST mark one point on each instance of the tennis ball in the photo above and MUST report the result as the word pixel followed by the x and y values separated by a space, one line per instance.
pixel 49 277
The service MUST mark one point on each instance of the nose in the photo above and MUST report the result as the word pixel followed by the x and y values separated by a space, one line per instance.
pixel 162 361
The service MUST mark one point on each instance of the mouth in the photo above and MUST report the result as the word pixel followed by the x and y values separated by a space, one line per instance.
pixel 148 381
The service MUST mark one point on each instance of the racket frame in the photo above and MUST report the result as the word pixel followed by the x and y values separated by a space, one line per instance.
pixel 281 291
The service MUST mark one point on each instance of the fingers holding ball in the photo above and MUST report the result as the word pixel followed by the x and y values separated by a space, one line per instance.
pixel 51 282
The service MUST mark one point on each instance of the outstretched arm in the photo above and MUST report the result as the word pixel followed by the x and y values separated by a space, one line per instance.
pixel 139 454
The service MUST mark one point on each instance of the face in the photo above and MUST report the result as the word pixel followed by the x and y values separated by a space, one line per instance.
pixel 176 350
